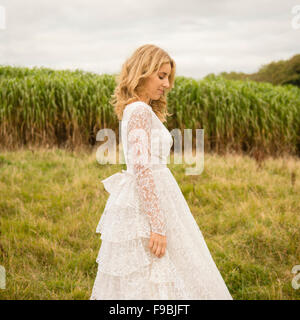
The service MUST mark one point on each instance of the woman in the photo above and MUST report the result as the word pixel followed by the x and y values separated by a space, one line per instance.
pixel 152 247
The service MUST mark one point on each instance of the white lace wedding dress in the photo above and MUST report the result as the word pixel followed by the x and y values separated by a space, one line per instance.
pixel 147 197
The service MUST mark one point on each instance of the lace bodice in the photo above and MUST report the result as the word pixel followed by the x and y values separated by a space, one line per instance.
pixel 142 139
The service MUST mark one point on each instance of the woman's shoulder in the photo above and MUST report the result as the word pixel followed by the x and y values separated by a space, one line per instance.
pixel 136 106
pixel 139 103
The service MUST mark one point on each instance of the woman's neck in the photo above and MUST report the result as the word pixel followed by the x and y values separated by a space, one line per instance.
pixel 144 99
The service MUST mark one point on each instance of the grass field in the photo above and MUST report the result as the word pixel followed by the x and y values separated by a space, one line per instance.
pixel 51 202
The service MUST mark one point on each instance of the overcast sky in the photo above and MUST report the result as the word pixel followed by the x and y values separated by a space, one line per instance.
pixel 96 35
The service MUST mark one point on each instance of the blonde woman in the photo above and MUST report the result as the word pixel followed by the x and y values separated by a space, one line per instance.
pixel 152 248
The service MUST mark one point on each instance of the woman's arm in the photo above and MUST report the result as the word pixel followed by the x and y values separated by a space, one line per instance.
pixel 139 154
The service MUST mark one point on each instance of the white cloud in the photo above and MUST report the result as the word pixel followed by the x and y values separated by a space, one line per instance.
pixel 95 35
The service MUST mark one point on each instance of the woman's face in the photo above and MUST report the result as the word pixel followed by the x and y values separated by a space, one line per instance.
pixel 155 85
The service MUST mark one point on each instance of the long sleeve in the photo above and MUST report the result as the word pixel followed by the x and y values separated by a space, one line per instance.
pixel 139 155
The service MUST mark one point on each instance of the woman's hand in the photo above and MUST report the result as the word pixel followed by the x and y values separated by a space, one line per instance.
pixel 157 244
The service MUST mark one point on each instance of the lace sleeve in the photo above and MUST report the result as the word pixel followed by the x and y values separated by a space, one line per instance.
pixel 139 155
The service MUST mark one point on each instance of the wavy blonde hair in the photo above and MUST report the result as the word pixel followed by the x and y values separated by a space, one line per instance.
pixel 145 60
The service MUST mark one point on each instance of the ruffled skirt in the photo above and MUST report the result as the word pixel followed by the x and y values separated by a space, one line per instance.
pixel 126 267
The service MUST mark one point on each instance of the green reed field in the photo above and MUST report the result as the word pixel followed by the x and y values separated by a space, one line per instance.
pixel 51 201
pixel 41 107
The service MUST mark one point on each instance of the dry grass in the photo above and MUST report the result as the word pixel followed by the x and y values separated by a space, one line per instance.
pixel 51 202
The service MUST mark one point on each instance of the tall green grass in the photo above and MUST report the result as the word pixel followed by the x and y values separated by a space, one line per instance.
pixel 41 106
pixel 239 115
pixel 47 107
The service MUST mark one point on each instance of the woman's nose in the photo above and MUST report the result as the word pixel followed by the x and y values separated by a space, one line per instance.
pixel 166 83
